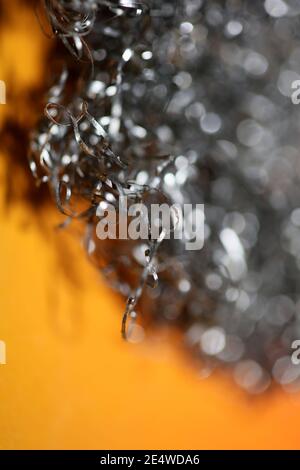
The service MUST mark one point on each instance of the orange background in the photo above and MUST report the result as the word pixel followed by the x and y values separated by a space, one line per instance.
pixel 70 381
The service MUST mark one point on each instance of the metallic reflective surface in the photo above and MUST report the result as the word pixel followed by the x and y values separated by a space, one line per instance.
pixel 191 102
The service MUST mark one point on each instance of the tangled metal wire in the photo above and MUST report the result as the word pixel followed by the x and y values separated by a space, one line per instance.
pixel 187 102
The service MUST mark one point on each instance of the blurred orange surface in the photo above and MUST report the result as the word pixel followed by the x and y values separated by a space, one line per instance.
pixel 70 381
